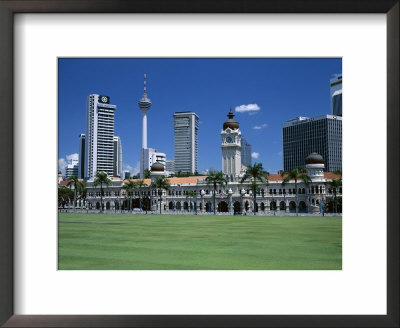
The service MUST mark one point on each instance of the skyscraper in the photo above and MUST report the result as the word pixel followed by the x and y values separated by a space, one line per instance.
pixel 82 156
pixel 99 135
pixel 246 152
pixel 144 105
pixel 186 126
pixel 72 169
pixel 303 136
pixel 169 167
pixel 336 95
pixel 117 161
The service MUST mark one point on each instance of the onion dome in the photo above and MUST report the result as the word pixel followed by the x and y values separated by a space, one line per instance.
pixel 157 167
pixel 314 158
pixel 230 122
pixel 144 103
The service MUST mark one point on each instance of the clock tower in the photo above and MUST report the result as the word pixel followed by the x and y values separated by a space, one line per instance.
pixel 231 147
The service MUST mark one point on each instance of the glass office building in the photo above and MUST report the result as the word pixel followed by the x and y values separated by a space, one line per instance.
pixel 302 136
pixel 336 95
pixel 246 152
pixel 186 126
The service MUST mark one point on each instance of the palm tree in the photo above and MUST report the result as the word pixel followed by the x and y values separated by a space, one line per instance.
pixel 73 181
pixel 139 184
pixel 129 187
pixel 190 194
pixel 255 174
pixel 146 174
pixel 298 173
pixel 283 183
pixel 101 178
pixel 335 184
pixel 83 192
pixel 160 183
pixel 216 178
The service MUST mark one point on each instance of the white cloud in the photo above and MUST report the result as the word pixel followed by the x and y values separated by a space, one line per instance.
pixel 255 155
pixel 62 165
pixel 72 157
pixel 247 108
pixel 127 167
pixel 136 169
pixel 259 127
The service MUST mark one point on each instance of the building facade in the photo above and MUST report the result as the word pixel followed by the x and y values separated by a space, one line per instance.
pixel 186 126
pixel 274 196
pixel 149 156
pixel 303 136
pixel 117 160
pixel 72 169
pixel 336 95
pixel 82 156
pixel 99 136
pixel 246 152
pixel 169 167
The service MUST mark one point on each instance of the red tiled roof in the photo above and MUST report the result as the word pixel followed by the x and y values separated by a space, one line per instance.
pixel 175 180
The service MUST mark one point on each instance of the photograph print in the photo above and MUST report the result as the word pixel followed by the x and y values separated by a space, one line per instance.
pixel 199 163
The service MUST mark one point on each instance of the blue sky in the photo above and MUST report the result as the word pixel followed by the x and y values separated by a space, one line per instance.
pixel 271 90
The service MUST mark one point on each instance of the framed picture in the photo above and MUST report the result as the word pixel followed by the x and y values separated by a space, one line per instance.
pixel 142 305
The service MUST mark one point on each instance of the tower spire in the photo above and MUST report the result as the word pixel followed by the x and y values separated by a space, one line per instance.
pixel 144 87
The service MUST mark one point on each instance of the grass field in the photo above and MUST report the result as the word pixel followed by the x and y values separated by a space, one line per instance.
pixel 188 242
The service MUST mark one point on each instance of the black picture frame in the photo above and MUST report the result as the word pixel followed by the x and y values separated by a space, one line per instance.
pixel 10 7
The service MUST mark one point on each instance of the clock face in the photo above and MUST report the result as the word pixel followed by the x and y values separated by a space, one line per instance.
pixel 229 140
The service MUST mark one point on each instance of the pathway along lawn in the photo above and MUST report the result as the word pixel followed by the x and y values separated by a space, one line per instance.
pixel 189 242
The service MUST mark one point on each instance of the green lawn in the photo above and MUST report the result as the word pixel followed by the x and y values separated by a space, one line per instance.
pixel 188 242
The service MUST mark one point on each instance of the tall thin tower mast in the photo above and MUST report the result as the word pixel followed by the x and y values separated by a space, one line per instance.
pixel 144 105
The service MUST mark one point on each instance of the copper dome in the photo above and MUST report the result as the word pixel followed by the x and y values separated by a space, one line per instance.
pixel 230 122
pixel 314 158
pixel 157 167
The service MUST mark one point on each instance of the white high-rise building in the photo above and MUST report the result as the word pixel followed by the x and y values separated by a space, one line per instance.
pixel 82 156
pixel 186 126
pixel 149 157
pixel 72 169
pixel 99 135
pixel 117 157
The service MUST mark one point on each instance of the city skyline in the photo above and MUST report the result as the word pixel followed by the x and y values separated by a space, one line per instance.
pixel 263 94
